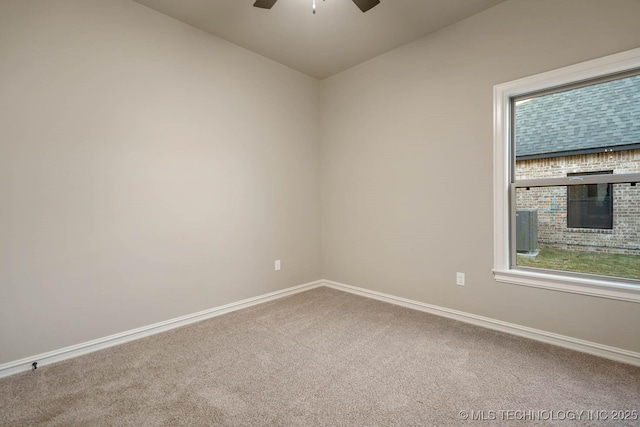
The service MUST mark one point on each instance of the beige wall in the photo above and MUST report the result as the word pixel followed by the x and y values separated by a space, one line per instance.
pixel 147 171
pixel 407 163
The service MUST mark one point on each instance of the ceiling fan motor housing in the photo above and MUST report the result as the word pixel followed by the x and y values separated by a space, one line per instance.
pixel 363 5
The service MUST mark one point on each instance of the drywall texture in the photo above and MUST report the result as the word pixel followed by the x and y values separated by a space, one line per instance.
pixel 147 171
pixel 407 163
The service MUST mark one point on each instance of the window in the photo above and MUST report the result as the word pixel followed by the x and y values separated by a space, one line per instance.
pixel 591 205
pixel 567 160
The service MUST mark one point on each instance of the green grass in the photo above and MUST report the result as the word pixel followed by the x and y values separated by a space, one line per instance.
pixel 616 265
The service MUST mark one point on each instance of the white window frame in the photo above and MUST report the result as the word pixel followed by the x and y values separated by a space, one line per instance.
pixel 504 189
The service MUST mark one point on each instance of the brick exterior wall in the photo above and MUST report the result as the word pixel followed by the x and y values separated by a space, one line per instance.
pixel 551 203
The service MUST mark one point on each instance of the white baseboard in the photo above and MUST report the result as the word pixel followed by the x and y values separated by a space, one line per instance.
pixel 44 359
pixel 612 353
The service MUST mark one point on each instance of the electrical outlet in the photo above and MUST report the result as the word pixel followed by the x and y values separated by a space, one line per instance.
pixel 277 265
pixel 460 279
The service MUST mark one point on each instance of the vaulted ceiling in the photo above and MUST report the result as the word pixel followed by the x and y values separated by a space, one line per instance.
pixel 335 38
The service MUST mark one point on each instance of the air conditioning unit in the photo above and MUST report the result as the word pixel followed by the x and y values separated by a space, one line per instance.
pixel 527 232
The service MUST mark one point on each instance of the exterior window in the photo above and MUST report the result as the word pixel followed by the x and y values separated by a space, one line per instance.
pixel 590 205
pixel 567 161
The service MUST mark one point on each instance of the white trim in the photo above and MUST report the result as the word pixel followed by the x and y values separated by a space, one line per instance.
pixel 44 359
pixel 617 290
pixel 502 93
pixel 607 352
pixel 613 353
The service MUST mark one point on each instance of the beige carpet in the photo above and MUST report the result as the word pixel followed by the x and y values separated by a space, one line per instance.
pixel 322 358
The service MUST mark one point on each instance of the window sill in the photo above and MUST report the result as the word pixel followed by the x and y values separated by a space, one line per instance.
pixel 589 230
pixel 618 290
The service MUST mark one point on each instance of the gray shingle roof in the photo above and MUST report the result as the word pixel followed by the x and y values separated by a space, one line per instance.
pixel 600 116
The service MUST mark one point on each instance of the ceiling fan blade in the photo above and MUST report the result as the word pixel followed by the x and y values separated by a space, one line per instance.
pixel 265 4
pixel 365 5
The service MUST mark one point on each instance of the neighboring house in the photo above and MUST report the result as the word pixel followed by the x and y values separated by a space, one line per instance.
pixel 593 129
